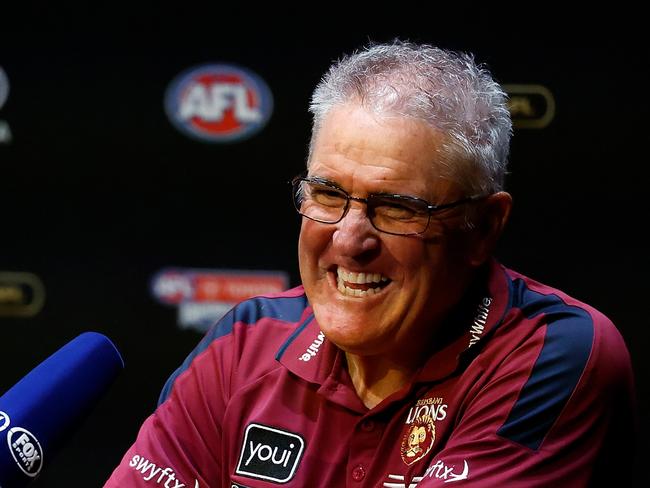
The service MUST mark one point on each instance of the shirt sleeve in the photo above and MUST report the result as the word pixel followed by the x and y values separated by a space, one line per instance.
pixel 179 445
pixel 565 418
pixel 182 444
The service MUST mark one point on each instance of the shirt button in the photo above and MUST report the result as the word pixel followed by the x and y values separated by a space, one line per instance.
pixel 367 426
pixel 358 473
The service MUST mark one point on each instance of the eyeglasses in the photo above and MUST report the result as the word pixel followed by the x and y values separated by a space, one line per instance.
pixel 321 200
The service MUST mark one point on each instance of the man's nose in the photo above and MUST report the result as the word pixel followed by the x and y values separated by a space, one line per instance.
pixel 354 234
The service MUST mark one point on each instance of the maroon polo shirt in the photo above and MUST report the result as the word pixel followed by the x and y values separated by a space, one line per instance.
pixel 527 387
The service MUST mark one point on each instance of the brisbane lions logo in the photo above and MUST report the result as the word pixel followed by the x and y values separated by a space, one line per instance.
pixel 418 439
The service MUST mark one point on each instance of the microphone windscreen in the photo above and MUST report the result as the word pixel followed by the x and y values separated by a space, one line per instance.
pixel 40 411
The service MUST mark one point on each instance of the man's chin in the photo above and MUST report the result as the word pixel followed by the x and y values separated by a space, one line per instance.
pixel 355 342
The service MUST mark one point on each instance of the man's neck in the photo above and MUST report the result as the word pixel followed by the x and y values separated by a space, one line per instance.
pixel 376 378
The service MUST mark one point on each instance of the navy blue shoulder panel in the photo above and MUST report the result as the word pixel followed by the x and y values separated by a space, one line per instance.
pixel 287 309
pixel 557 371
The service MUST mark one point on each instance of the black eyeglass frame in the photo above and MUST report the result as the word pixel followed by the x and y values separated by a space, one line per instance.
pixel 430 208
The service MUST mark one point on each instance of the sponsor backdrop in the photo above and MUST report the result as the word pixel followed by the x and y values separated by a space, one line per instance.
pixel 145 158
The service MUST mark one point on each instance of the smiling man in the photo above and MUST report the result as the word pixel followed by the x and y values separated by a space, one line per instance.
pixel 384 275
pixel 409 356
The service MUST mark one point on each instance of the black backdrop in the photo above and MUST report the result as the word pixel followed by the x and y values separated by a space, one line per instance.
pixel 99 191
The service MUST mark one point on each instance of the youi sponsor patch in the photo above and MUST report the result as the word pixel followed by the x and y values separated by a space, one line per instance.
pixel 270 454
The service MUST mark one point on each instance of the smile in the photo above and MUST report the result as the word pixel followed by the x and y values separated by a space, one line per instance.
pixel 353 284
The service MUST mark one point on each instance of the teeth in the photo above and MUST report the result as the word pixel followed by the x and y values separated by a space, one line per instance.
pixel 341 286
pixel 345 276
pixel 359 278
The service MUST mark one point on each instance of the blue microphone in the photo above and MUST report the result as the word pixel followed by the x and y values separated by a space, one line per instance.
pixel 44 408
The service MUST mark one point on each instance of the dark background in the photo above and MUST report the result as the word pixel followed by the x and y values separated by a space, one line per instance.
pixel 99 191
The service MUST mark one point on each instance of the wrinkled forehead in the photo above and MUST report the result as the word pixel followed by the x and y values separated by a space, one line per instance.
pixel 364 152
pixel 352 132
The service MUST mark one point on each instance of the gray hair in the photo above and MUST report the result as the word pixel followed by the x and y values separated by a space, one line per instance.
pixel 444 88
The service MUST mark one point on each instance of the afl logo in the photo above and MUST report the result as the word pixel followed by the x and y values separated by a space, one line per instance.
pixel 218 103
pixel 26 451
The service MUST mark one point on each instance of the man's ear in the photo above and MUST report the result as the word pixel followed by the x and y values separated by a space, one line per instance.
pixel 491 220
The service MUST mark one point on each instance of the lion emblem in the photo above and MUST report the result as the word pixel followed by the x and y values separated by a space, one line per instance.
pixel 418 439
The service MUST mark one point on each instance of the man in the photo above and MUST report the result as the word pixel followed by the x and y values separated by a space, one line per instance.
pixel 409 356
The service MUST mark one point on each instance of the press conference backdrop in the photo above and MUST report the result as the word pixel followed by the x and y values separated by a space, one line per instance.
pixel 102 191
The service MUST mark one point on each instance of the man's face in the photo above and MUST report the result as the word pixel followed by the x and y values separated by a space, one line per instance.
pixel 414 280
